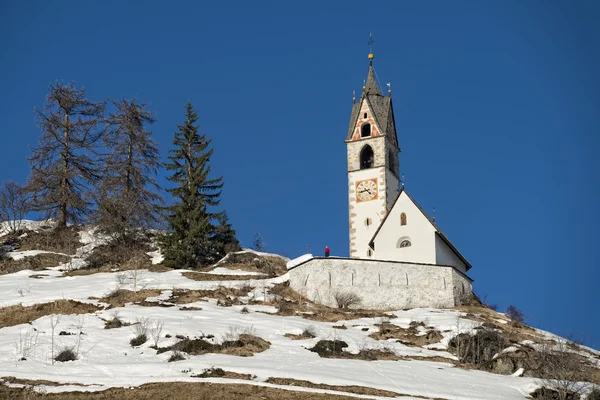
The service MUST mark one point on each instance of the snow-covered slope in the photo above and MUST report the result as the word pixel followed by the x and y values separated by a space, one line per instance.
pixel 106 358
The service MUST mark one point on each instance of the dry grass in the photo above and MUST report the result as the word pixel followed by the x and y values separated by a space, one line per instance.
pixel 34 263
pixel 120 297
pixel 174 390
pixel 409 337
pixel 63 240
pixel 348 389
pixel 15 315
pixel 113 268
pixel 245 345
pixel 248 261
pixel 335 349
pixel 200 276
pixel 290 302
pixel 221 373
pixel 183 296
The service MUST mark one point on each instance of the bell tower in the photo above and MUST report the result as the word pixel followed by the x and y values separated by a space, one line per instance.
pixel 373 166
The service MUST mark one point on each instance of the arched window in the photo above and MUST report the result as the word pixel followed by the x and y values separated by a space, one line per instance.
pixel 365 130
pixel 403 242
pixel 403 219
pixel 366 157
pixel 365 116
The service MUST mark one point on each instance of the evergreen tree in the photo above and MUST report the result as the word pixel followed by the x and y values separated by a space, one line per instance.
pixel 193 238
pixel 63 166
pixel 128 197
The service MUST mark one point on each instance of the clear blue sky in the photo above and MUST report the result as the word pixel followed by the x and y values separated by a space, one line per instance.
pixel 497 107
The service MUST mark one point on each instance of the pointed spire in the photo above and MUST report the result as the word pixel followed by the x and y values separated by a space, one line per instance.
pixel 371 86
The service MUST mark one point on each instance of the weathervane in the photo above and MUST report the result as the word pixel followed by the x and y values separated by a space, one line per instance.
pixel 353 96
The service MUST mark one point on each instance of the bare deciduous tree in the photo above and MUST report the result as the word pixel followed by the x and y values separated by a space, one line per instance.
pixel 128 195
pixel 63 166
pixel 563 370
pixel 346 299
pixel 13 206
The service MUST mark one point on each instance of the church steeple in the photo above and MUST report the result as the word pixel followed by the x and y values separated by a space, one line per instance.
pixel 371 85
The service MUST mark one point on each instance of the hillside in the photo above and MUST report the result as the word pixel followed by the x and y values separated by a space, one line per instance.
pixel 82 317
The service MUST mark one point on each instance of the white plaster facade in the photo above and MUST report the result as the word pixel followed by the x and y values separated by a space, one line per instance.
pixel 427 244
pixel 383 285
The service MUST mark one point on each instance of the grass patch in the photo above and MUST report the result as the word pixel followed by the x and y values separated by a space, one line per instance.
pixel 221 373
pixel 245 345
pixel 183 296
pixel 60 240
pixel 15 315
pixel 120 297
pixel 289 302
pixel 335 349
pixel 34 263
pixel 200 276
pixel 349 389
pixel 184 391
pixel 138 340
pixel 410 337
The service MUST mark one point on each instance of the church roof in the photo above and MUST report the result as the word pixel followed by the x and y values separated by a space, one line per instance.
pixel 437 229
pixel 381 106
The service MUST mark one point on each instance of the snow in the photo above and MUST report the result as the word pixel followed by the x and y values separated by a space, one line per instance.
pixel 298 260
pixel 227 271
pixel 19 255
pixel 156 256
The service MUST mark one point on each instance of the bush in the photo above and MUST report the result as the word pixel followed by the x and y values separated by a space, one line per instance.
pixel 515 314
pixel 309 332
pixel 212 373
pixel 326 348
pixel 66 354
pixel 478 349
pixel 176 356
pixel 347 299
pixel 138 340
pixel 245 310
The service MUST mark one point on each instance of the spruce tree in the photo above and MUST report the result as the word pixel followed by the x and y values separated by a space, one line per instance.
pixel 64 166
pixel 193 237
pixel 128 193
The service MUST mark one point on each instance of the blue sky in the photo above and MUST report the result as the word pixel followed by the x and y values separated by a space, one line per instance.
pixel 496 104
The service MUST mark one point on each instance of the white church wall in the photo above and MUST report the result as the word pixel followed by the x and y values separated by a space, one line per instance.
pixel 418 230
pixel 360 232
pixel 444 255
pixel 381 285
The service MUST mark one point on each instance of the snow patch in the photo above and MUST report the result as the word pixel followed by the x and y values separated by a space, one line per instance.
pixel 298 260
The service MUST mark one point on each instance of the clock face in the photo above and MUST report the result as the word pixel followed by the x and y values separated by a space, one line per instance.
pixel 366 190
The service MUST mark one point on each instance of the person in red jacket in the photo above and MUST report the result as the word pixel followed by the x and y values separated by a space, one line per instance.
pixel 326 251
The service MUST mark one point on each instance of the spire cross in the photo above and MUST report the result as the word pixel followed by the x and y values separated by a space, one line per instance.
pixel 371 41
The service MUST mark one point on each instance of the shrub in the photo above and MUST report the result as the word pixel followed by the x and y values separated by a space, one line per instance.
pixel 515 314
pixel 176 356
pixel 309 332
pixel 212 372
pixel 138 340
pixel 478 349
pixel 245 310
pixel 347 299
pixel 326 348
pixel 66 354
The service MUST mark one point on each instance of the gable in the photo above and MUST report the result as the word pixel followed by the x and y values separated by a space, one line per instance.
pixel 421 229
pixel 360 120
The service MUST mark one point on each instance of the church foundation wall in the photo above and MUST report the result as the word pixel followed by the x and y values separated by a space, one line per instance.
pixel 382 285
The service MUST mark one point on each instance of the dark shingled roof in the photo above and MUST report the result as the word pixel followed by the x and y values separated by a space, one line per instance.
pixel 381 106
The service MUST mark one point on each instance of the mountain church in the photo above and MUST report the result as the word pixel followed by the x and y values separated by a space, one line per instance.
pixel 399 258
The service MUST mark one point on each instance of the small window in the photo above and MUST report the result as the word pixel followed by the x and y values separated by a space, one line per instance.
pixel 369 253
pixel 405 243
pixel 365 130
pixel 403 219
pixel 365 115
pixel 368 221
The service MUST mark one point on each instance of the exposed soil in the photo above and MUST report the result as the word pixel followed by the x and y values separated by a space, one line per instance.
pixel 120 297
pixel 248 261
pixel 174 390
pixel 15 315
pixel 335 349
pixel 245 345
pixel 410 337
pixel 221 373
pixel 182 296
pixel 199 276
pixel 35 263
pixel 349 389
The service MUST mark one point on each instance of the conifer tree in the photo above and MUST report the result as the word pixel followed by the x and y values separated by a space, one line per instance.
pixel 128 193
pixel 193 238
pixel 64 165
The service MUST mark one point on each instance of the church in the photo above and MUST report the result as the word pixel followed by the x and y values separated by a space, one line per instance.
pixel 399 258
